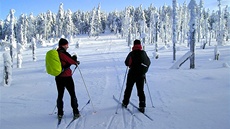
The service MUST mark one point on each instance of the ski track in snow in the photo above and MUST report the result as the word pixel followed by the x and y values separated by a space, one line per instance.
pixel 126 122
pixel 108 126
pixel 78 124
pixel 107 82
pixel 124 118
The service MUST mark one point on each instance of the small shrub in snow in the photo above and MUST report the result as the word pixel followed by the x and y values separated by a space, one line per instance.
pixel 7 71
pixel 216 53
pixel 226 65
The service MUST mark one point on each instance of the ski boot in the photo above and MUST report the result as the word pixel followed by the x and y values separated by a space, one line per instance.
pixel 142 109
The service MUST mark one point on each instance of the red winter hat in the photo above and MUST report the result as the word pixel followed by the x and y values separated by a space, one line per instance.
pixel 62 42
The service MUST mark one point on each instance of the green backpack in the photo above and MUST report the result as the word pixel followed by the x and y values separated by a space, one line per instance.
pixel 53 63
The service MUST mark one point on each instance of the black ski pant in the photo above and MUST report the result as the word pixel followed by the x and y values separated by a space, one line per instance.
pixel 68 83
pixel 131 80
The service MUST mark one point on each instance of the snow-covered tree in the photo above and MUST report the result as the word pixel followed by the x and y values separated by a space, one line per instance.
pixel 156 30
pixel 78 22
pixel 143 27
pixel 165 24
pixel 86 24
pixel 134 30
pixel 126 25
pixel 60 18
pixel 77 45
pixel 175 21
pixel 139 17
pixel 9 24
pixel 7 69
pixel 114 22
pixel 184 19
pixel 150 22
pixel 68 26
pixel 212 26
pixel 20 48
pixel 98 22
pixel 199 18
pixel 205 28
pixel 21 30
pixel 20 45
pixel 31 27
pixel 1 28
pixel 220 31
pixel 226 24
pixel 50 21
pixel 216 53
pixel 11 30
pixel 95 23
pixel 92 29
pixel 157 20
pixel 33 46
pixel 192 31
pixel 103 22
pixel 41 25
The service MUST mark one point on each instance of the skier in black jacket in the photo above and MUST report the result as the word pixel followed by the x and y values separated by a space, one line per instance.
pixel 138 62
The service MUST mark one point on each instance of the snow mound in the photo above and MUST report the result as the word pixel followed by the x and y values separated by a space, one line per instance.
pixel 226 65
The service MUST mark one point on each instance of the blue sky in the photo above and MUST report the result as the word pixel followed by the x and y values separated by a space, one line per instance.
pixel 39 6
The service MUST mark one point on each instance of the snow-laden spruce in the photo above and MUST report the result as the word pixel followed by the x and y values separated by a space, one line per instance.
pixel 211 24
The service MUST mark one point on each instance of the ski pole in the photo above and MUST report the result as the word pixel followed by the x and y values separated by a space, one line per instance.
pixel 53 110
pixel 74 69
pixel 86 89
pixel 149 92
pixel 121 89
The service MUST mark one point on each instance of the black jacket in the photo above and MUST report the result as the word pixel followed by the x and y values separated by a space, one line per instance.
pixel 138 62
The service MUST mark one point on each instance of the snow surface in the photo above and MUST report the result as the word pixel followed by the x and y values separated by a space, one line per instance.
pixel 183 98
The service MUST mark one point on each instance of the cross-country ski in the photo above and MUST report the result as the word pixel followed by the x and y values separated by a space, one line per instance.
pixel 74 119
pixel 141 112
pixel 123 107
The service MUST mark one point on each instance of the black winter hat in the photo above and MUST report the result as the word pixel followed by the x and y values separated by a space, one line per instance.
pixel 136 42
pixel 62 42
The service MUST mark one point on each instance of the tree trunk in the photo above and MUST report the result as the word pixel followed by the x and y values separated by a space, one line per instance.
pixel 192 49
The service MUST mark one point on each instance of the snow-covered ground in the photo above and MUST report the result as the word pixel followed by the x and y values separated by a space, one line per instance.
pixel 183 98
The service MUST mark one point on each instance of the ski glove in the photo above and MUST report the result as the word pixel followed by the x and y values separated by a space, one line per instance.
pixel 78 62
pixel 74 57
